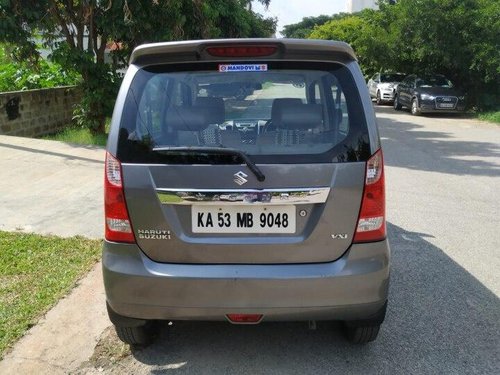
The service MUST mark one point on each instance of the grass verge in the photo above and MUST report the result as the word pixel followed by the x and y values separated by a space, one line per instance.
pixel 490 116
pixel 35 272
pixel 79 136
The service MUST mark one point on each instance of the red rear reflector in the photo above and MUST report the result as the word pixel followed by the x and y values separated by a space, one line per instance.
pixel 242 51
pixel 118 228
pixel 244 318
pixel 371 222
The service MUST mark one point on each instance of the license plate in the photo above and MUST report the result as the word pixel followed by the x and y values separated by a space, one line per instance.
pixel 446 105
pixel 243 219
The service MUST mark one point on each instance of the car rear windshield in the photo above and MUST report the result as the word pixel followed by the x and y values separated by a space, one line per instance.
pixel 274 112
pixel 391 77
pixel 434 81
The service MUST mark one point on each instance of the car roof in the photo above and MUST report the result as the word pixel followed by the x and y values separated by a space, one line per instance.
pixel 195 50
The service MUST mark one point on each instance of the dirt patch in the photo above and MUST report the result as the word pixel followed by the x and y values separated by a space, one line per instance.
pixel 108 352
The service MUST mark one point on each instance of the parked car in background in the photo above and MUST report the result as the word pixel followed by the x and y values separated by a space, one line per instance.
pixel 382 86
pixel 429 93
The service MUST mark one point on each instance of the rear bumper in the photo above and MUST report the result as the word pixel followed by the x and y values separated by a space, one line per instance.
pixel 351 288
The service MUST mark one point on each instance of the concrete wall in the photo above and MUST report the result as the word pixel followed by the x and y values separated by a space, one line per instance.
pixel 33 113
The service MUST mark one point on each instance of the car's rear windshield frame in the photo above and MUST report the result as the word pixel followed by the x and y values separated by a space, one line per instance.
pixel 355 147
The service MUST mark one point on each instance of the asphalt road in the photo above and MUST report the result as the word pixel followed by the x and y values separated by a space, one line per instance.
pixel 443 179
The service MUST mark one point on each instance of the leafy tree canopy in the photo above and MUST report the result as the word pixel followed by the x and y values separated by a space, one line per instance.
pixel 304 28
pixel 78 32
pixel 457 38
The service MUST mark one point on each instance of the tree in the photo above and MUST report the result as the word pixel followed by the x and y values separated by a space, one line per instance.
pixel 305 27
pixel 79 30
pixel 366 37
pixel 457 38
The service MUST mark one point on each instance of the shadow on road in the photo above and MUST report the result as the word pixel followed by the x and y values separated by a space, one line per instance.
pixel 440 320
pixel 437 151
pixel 388 108
pixel 58 154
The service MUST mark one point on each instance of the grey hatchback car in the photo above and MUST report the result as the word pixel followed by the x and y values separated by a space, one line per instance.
pixel 244 182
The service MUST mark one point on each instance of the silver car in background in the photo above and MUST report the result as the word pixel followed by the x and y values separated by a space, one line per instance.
pixel 382 86
pixel 269 206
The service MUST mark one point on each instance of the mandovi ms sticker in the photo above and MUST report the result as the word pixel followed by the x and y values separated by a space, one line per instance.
pixel 224 68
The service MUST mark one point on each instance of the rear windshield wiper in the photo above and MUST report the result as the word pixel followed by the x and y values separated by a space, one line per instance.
pixel 217 151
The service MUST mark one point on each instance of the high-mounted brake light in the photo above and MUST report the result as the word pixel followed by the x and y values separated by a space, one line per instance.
pixel 242 51
pixel 118 228
pixel 371 222
pixel 245 318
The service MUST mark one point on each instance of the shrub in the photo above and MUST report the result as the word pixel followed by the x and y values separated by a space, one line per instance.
pixel 22 76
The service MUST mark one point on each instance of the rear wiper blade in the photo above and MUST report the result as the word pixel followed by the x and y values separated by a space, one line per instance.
pixel 218 151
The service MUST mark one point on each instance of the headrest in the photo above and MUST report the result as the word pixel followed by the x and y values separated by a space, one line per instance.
pixel 206 111
pixel 188 118
pixel 280 102
pixel 298 116
pixel 215 107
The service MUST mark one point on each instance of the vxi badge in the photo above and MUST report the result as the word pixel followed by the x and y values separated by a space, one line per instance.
pixel 339 236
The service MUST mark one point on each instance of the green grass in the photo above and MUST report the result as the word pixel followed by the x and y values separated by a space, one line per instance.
pixel 490 116
pixel 169 198
pixel 79 136
pixel 35 272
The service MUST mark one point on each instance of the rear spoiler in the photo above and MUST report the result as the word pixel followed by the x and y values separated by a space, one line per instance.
pixel 290 49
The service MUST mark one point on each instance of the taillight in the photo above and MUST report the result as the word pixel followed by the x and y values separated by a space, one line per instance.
pixel 118 228
pixel 371 222
pixel 242 51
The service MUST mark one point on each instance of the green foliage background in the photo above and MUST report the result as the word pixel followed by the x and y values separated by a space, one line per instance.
pixel 78 31
pixel 457 38
pixel 15 76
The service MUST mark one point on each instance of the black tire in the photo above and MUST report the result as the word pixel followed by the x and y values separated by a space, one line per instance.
pixel 378 99
pixel 397 105
pixel 415 111
pixel 136 336
pixel 362 334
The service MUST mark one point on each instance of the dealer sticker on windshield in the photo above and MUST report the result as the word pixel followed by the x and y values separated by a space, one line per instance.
pixel 242 68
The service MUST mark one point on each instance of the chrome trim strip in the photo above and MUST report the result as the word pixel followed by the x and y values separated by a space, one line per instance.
pixel 240 197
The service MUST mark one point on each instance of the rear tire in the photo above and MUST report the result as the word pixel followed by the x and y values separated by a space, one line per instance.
pixel 362 334
pixel 365 330
pixel 397 105
pixel 136 336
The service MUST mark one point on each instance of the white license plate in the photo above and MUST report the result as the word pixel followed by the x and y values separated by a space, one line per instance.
pixel 446 105
pixel 243 219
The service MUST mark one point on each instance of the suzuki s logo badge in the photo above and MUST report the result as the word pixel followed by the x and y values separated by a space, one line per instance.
pixel 240 178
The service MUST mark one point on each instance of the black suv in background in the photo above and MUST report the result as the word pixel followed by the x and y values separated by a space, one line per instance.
pixel 429 93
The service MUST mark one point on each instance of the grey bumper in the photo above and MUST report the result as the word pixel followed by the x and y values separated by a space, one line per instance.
pixel 353 287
